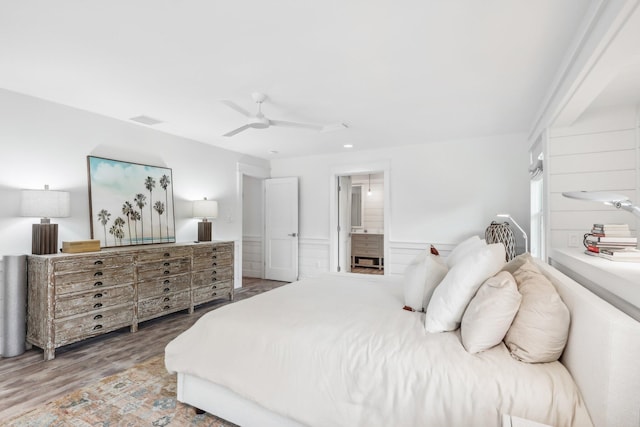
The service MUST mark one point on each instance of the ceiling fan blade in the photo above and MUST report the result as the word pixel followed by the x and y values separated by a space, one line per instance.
pixel 294 124
pixel 235 131
pixel 236 107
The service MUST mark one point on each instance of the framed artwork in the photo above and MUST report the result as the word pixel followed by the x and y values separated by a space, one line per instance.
pixel 130 203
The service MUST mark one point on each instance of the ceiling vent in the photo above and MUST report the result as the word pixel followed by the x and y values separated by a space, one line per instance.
pixel 146 120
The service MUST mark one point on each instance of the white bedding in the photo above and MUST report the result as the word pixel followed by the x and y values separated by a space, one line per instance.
pixel 339 350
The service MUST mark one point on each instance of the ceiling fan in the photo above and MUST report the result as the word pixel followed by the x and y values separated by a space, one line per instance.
pixel 259 121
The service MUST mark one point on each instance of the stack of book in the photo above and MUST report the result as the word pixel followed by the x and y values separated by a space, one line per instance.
pixel 612 241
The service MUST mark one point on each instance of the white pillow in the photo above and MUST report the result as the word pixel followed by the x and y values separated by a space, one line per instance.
pixel 421 277
pixel 463 249
pixel 490 313
pixel 451 297
pixel 540 329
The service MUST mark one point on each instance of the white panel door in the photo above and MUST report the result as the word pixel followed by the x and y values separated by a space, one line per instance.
pixel 281 234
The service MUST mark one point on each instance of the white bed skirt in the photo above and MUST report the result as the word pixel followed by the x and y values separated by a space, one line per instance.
pixel 226 404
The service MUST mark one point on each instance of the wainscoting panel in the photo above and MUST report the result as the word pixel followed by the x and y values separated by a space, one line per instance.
pixel 401 254
pixel 313 257
pixel 252 256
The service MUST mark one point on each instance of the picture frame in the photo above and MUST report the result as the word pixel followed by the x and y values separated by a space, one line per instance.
pixel 130 203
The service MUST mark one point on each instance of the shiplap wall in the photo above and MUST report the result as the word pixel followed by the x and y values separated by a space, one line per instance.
pixel 598 153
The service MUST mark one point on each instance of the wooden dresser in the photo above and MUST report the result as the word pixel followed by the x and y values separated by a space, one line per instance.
pixel 72 297
pixel 367 250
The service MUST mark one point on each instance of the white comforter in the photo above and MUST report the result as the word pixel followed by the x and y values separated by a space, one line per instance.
pixel 340 351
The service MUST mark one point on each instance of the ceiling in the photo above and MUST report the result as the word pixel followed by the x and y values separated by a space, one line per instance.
pixel 395 72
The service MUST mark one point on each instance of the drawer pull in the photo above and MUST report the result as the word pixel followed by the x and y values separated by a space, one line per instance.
pixel 167 264
pixel 214 294
pixel 214 287
pixel 214 264
pixel 166 272
pixel 215 249
pixel 97 305
pixel 167 254
pixel 215 257
pixel 166 307
pixel 97 273
pixel 97 316
pixel 97 284
pixel 95 328
pixel 214 272
pixel 166 289
pixel 213 279
pixel 98 262
pixel 166 282
pixel 97 296
pixel 166 299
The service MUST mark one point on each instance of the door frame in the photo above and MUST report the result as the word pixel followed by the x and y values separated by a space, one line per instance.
pixel 253 171
pixel 357 169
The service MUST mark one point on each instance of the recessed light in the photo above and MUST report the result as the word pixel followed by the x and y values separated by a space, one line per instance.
pixel 145 120
pixel 273 152
pixel 348 145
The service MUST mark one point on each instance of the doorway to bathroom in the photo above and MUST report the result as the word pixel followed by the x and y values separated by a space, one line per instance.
pixel 361 217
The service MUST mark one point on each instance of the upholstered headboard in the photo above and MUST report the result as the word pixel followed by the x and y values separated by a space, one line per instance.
pixel 602 353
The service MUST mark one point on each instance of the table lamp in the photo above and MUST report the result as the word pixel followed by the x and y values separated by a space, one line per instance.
pixel 45 204
pixel 205 209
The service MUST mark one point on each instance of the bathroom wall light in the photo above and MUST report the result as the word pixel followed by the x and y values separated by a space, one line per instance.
pixel 369 192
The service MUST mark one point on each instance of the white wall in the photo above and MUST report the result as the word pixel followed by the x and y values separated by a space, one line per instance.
pixel 47 143
pixel 440 193
pixel 598 153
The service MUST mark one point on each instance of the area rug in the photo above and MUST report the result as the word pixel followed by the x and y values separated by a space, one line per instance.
pixel 144 395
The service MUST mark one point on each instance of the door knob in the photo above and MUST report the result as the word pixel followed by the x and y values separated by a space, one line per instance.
pixel 292 234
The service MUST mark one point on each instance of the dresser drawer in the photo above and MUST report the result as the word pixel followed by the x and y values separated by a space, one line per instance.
pixel 212 257
pixel 164 285
pixel 213 275
pixel 369 252
pixel 211 292
pixel 154 307
pixel 166 267
pixel 70 305
pixel 93 279
pixel 71 329
pixel 163 253
pixel 91 264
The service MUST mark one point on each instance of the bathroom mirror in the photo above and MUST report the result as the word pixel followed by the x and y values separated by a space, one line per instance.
pixel 356 206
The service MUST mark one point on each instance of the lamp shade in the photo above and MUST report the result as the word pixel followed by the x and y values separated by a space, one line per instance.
pixel 205 209
pixel 45 203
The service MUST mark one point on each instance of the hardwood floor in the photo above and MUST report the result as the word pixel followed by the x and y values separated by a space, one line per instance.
pixel 27 381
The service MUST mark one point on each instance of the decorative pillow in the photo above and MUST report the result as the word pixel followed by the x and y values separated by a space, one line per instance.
pixel 421 277
pixel 517 262
pixel 540 329
pixel 463 249
pixel 490 313
pixel 451 297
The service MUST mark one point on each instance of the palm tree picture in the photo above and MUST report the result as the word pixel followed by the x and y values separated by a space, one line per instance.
pixel 128 188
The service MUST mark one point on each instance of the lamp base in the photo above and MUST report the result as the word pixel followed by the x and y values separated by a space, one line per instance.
pixel 204 231
pixel 44 239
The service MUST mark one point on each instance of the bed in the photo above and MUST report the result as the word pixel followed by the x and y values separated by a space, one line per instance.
pixel 339 350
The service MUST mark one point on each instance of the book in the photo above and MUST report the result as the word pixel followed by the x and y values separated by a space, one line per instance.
pixel 613 257
pixel 611 226
pixel 621 253
pixel 611 239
